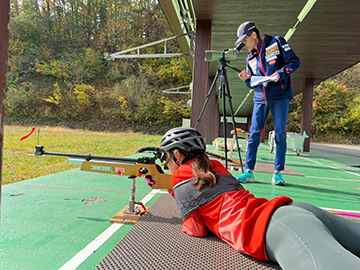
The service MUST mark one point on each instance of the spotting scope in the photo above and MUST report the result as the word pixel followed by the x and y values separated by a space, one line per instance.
pixel 228 54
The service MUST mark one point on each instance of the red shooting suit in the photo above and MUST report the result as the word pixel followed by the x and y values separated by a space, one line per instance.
pixel 236 216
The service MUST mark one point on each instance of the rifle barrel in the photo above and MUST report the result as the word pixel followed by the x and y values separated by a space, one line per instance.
pixel 71 160
pixel 39 152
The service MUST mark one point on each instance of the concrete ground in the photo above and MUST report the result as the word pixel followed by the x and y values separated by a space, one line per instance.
pixel 340 149
pixel 61 221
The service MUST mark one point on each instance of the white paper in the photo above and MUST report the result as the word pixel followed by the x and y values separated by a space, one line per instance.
pixel 257 80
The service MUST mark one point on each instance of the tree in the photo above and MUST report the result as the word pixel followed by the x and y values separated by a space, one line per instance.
pixel 62 43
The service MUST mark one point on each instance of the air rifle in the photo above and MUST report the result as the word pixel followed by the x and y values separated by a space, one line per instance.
pixel 132 167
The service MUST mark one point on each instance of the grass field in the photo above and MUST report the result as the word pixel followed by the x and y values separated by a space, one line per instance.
pixel 18 165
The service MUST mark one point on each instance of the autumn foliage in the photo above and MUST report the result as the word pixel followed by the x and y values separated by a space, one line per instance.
pixel 58 75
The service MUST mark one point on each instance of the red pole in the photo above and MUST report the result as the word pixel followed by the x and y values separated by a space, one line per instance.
pixel 4 39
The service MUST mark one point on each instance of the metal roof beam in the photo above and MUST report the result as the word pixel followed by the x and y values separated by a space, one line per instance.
pixel 124 54
pixel 176 90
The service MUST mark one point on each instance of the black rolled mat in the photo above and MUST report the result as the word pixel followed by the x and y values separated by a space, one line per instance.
pixel 157 242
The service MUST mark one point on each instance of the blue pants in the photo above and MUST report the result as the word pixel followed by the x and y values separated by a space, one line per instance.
pixel 279 110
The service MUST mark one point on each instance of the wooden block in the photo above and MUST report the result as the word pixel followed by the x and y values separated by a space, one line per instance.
pixel 128 218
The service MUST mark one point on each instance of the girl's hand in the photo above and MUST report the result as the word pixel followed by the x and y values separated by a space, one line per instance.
pixel 243 75
pixel 277 75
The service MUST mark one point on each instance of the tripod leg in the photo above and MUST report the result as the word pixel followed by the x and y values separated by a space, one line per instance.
pixel 222 93
pixel 207 99
pixel 233 120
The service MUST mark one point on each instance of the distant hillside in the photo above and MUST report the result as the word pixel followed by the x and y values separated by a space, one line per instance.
pixel 58 75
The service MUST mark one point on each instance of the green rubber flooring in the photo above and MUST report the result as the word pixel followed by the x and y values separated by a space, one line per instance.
pixel 61 221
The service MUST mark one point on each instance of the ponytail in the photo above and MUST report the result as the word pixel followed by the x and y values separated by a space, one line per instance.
pixel 205 176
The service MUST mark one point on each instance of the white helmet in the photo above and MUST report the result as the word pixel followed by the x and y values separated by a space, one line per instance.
pixel 187 139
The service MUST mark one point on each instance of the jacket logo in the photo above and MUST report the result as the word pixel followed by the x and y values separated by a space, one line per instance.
pixel 271 52
pixel 272 48
pixel 272 62
pixel 286 47
pixel 253 66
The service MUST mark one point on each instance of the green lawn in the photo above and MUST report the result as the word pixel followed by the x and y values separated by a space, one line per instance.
pixel 18 165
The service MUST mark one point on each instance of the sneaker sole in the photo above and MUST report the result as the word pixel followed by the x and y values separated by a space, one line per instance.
pixel 251 180
pixel 278 184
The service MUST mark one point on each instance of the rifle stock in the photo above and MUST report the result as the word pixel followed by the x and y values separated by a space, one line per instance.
pixel 144 166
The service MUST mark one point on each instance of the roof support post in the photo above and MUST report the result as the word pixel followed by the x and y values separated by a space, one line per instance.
pixel 4 34
pixel 212 126
pixel 201 84
pixel 306 113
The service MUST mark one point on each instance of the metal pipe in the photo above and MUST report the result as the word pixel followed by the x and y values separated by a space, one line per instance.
pixel 39 152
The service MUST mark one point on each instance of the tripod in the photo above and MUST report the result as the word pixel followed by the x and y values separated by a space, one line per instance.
pixel 223 91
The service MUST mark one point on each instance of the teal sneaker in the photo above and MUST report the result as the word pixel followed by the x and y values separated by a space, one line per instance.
pixel 278 180
pixel 246 177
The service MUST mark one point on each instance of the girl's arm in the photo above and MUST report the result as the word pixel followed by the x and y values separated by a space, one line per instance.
pixel 194 226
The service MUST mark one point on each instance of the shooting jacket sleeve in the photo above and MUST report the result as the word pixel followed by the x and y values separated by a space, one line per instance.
pixel 247 82
pixel 291 61
pixel 171 192
pixel 194 226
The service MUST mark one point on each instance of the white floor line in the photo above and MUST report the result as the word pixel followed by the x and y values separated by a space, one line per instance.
pixel 340 210
pixel 332 168
pixel 344 171
pixel 311 160
pixel 80 257
pixel 334 179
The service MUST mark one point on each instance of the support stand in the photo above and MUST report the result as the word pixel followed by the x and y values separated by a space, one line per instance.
pixel 224 92
pixel 131 213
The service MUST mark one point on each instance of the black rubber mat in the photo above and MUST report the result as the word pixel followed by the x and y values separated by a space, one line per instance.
pixel 157 242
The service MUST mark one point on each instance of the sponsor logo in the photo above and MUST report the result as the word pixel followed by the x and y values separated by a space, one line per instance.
pixel 271 52
pixel 272 46
pixel 272 57
pixel 271 49
pixel 272 62
pixel 286 47
pixel 253 66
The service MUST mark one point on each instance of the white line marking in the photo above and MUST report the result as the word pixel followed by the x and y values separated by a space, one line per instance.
pixel 340 210
pixel 311 160
pixel 81 256
pixel 334 179
pixel 331 167
pixel 344 171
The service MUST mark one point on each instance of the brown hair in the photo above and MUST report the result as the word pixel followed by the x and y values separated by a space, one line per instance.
pixel 202 169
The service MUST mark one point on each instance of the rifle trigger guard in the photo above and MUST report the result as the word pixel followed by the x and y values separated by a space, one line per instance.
pixel 143 170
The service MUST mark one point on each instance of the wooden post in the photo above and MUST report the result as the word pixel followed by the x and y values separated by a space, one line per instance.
pixel 212 126
pixel 4 39
pixel 306 113
pixel 201 82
